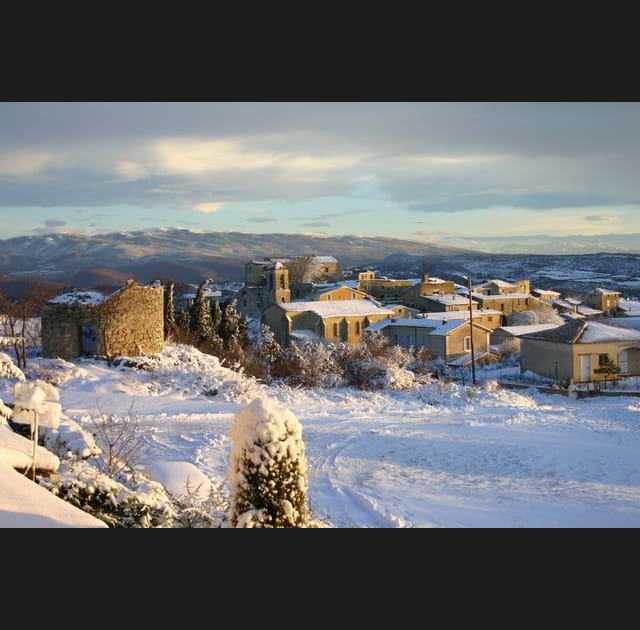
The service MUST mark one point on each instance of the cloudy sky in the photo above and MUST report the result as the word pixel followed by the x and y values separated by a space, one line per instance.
pixel 425 171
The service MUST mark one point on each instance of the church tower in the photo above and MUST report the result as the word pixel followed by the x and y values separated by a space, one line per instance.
pixel 278 286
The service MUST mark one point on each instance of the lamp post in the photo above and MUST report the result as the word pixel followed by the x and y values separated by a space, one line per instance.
pixel 473 352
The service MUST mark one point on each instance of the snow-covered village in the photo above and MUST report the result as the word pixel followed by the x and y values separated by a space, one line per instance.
pixel 251 359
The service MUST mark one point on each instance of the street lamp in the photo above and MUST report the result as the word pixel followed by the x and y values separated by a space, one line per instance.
pixel 473 352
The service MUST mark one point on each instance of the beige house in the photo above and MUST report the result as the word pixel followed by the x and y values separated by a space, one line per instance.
pixel 546 295
pixel 512 334
pixel 501 287
pixel 382 289
pixel 425 288
pixel 604 300
pixel 340 293
pixel 337 321
pixel 507 303
pixel 448 340
pixel 446 303
pixel 488 318
pixel 574 351
pixel 402 311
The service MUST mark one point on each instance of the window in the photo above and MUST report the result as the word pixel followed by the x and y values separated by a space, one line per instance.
pixel 603 359
pixel 354 296
pixel 329 297
pixel 408 340
pixel 357 328
pixel 467 344
pixel 490 318
pixel 282 282
pixel 335 330
pixel 396 339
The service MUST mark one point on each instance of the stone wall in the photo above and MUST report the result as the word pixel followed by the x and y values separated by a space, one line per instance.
pixel 61 329
pixel 132 322
pixel 129 323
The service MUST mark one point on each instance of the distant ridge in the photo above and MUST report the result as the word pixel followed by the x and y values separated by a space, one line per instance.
pixel 183 254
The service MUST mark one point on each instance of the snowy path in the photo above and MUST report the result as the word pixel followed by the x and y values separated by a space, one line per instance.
pixel 429 460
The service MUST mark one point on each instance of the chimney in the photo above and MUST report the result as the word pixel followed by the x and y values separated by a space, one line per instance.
pixel 425 276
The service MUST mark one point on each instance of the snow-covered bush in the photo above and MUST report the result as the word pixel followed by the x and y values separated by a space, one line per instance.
pixel 371 374
pixel 70 439
pixel 193 512
pixel 53 371
pixel 130 500
pixel 5 412
pixel 9 370
pixel 187 370
pixel 268 469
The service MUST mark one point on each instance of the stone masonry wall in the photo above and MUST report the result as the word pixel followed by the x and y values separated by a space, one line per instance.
pixel 61 329
pixel 132 322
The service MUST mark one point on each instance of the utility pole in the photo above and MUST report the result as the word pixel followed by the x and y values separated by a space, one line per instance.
pixel 473 353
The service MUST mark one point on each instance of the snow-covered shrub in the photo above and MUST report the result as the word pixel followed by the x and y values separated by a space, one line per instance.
pixel 193 512
pixel 127 501
pixel 268 468
pixel 371 374
pixel 5 412
pixel 54 371
pixel 9 370
pixel 70 439
pixel 187 370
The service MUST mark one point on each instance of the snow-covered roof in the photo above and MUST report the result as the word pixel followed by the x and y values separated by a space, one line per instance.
pixel 437 327
pixel 500 283
pixel 466 359
pixel 545 292
pixel 341 286
pixel 460 314
pixel 305 333
pixel 607 292
pixel 448 300
pixel 587 310
pixel 566 303
pixel 629 306
pixel 517 331
pixel 84 298
pixel 337 308
pixel 503 296
pixel 624 322
pixel 587 331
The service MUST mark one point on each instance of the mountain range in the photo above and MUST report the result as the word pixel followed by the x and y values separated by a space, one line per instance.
pixel 188 256
pixel 182 254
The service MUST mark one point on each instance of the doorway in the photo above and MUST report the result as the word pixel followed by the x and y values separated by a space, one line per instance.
pixel 585 368
pixel 88 339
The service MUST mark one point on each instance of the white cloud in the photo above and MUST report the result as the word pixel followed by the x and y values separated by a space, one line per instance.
pixel 24 162
pixel 209 207
pixel 130 171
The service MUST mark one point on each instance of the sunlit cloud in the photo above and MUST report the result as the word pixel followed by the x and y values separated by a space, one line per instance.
pixel 24 162
pixel 209 207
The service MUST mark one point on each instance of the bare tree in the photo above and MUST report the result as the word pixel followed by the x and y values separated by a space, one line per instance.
pixel 303 270
pixel 17 317
pixel 120 438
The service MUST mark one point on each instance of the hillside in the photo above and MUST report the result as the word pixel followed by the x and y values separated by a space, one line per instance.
pixel 181 254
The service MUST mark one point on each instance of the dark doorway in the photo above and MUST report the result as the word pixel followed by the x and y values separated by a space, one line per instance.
pixel 88 339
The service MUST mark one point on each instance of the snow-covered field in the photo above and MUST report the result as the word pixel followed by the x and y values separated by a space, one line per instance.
pixel 433 456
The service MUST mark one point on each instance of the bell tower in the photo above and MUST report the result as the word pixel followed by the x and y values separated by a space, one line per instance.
pixel 280 292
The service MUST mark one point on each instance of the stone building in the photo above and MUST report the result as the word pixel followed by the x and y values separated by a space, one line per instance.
pixel 604 300
pixel 266 284
pixel 427 287
pixel 129 322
